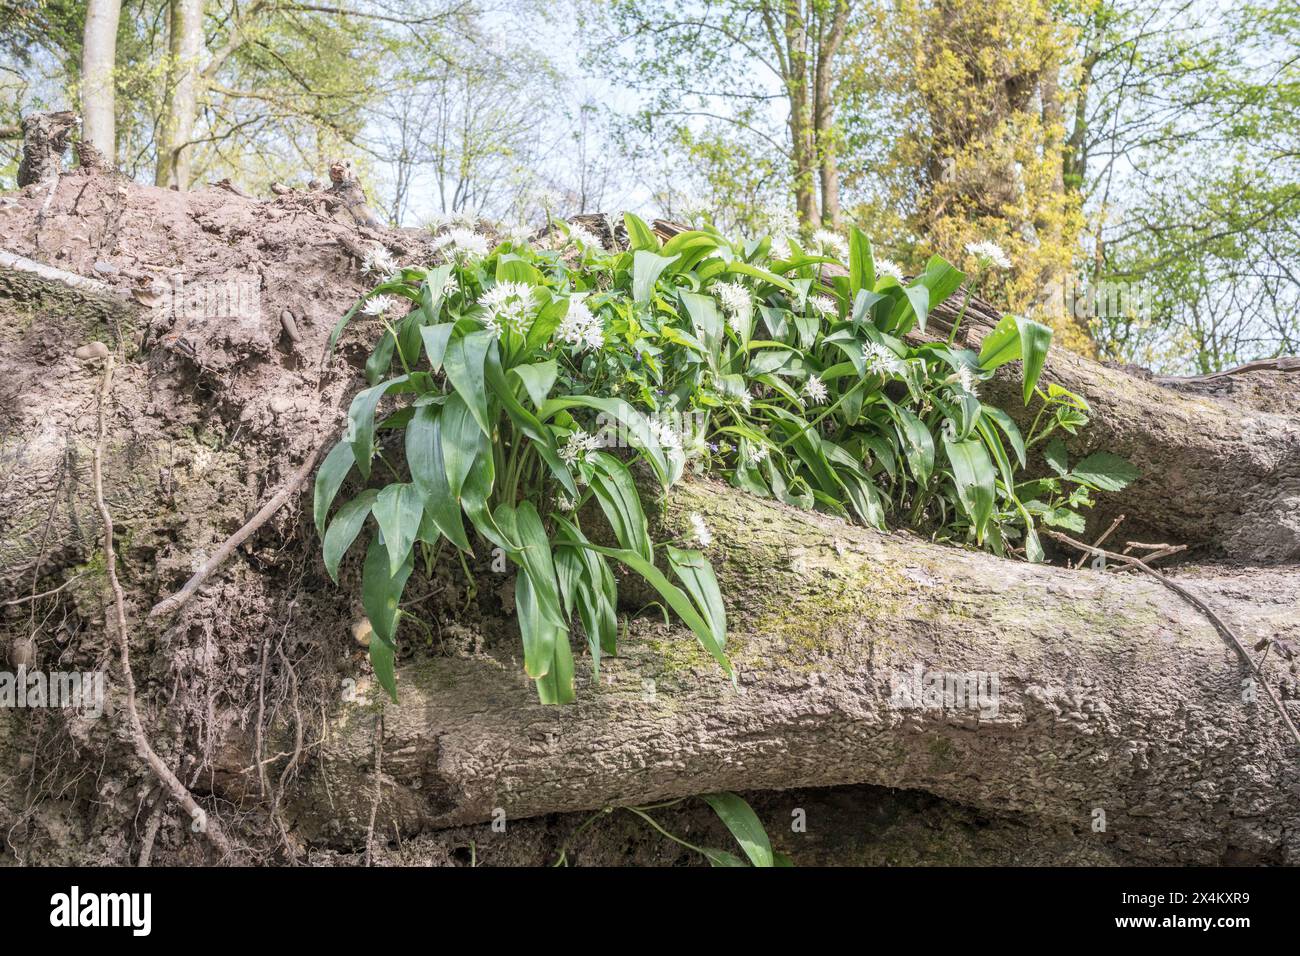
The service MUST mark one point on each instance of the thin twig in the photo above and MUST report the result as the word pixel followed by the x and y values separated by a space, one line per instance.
pixel 1200 605
pixel 1102 540
pixel 277 501
pixel 143 748
pixel 379 770
pixel 43 594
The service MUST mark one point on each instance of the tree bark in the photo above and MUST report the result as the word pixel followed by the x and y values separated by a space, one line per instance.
pixel 1112 695
pixel 185 45
pixel 98 59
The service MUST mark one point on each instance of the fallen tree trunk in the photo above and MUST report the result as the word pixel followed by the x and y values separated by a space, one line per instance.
pixel 1114 701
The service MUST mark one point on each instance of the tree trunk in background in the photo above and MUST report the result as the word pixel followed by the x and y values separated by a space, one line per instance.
pixel 98 57
pixel 824 116
pixel 185 43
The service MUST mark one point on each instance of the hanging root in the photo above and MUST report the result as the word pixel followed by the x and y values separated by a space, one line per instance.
pixel 209 827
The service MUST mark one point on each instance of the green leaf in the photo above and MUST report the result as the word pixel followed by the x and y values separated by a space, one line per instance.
pixel 616 492
pixel 640 236
pixel 361 421
pixel 1013 338
pixel 429 472
pixel 460 441
pixel 862 263
pixel 537 378
pixel 329 478
pixel 545 644
pixel 464 365
pixel 636 428
pixel 1104 471
pixel 696 574
pixel 398 510
pixel 436 338
pixel 646 269
pixel 974 477
pixel 343 530
pixel 1056 457
pixel 918 444
pixel 744 826
pixel 380 594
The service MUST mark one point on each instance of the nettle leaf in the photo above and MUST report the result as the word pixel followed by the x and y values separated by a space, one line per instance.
pixel 1104 471
pixel 1056 457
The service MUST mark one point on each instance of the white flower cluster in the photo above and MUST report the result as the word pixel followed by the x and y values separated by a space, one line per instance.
pixel 990 253
pixel 507 304
pixel 451 286
pixel 815 390
pixel 549 200
pixel 882 360
pixel 823 304
pixel 700 532
pixel 379 261
pixel 829 244
pixel 578 446
pixel 377 305
pixel 966 380
pixel 736 302
pixel 462 245
pixel 584 237
pixel 520 235
pixel 580 327
pixel 666 435
pixel 888 267
pixel 757 453
pixel 464 218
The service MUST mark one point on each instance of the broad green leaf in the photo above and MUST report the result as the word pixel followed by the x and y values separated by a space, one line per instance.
pixel 460 441
pixel 361 421
pixel 974 477
pixel 429 472
pixel 617 494
pixel 695 572
pixel 918 444
pixel 436 338
pixel 537 379
pixel 1013 338
pixel 744 826
pixel 343 530
pixel 646 269
pixel 398 510
pixel 329 478
pixel 464 365
pixel 380 594
pixel 1056 457
pixel 640 236
pixel 862 263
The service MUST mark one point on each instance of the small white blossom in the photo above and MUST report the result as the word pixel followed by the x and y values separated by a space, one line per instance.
pixel 578 446
pixel 379 261
pixel 990 253
pixel 549 200
pixel 888 267
pixel 507 305
pixel 815 390
pixel 666 435
pixel 700 532
pixel 830 244
pixel 736 302
pixel 757 453
pixel 520 235
pixel 584 237
pixel 966 380
pixel 781 248
pixel 882 360
pixel 580 328
pixel 823 304
pixel 564 503
pixel 377 305
pixel 781 221
pixel 462 244
pixel 451 286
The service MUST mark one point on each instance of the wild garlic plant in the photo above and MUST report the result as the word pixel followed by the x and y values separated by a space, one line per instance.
pixel 527 380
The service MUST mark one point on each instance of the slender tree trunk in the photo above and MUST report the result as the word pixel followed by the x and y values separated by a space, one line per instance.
pixel 185 43
pixel 803 147
pixel 824 114
pixel 98 56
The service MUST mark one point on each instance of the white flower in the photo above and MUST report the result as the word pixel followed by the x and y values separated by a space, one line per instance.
pixel 736 303
pixel 966 380
pixel 700 531
pixel 451 286
pixel 781 248
pixel 815 390
pixel 462 244
pixel 823 304
pixel 379 261
pixel 888 267
pixel 520 235
pixel 579 327
pixel 564 503
pixel 584 237
pixel 882 360
pixel 507 305
pixel 781 221
pixel 377 305
pixel 578 446
pixel 693 207
pixel 549 200
pixel 757 453
pixel 990 253
pixel 830 244
pixel 666 435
